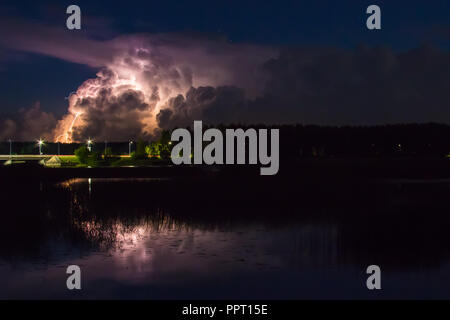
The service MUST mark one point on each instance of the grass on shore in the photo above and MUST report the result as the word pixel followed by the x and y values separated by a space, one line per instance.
pixel 72 161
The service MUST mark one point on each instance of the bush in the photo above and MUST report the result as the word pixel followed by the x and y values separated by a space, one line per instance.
pixel 153 149
pixel 108 153
pixel 165 154
pixel 82 154
pixel 97 156
pixel 95 159
pixel 141 152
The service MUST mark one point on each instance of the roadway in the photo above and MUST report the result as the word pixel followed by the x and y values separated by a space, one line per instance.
pixel 28 157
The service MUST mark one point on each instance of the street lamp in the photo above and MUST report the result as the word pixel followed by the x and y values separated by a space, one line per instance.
pixel 129 148
pixel 10 148
pixel 89 143
pixel 40 143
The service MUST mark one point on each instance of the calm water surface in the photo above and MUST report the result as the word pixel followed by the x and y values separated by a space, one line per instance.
pixel 146 239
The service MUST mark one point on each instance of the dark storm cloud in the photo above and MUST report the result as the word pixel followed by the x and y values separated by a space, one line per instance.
pixel 27 125
pixel 223 104
pixel 361 86
pixel 113 117
pixel 332 87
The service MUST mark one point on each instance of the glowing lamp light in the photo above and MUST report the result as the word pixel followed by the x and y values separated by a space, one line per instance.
pixel 129 148
pixel 40 144
pixel 89 143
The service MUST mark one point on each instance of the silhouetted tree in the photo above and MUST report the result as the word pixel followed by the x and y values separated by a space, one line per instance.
pixel 82 154
pixel 140 152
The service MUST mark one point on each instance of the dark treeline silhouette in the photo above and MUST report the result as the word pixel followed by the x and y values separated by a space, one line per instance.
pixel 297 141
pixel 408 139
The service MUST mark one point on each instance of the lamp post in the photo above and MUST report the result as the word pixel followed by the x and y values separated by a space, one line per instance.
pixel 106 145
pixel 59 153
pixel 40 143
pixel 129 148
pixel 89 143
pixel 10 148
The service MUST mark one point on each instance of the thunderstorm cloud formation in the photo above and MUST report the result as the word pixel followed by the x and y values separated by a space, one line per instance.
pixel 146 83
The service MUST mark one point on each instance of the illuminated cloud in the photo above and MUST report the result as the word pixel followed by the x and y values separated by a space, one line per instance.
pixel 128 93
pixel 149 82
pixel 138 75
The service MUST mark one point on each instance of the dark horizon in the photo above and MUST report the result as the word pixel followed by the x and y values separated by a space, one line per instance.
pixel 296 141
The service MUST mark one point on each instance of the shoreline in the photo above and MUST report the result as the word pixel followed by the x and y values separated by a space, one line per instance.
pixel 309 169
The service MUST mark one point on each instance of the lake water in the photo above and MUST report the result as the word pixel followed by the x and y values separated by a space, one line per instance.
pixel 169 239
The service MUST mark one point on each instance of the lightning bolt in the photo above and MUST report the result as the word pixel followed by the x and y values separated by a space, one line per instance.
pixel 67 135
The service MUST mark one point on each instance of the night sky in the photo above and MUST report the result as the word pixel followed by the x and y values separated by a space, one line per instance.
pixel 353 75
